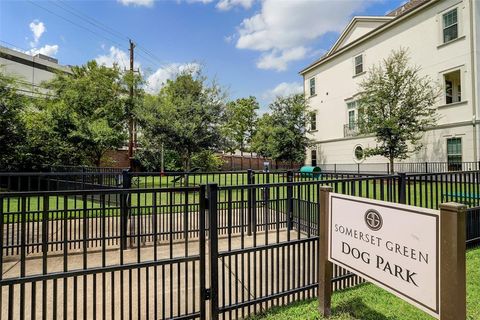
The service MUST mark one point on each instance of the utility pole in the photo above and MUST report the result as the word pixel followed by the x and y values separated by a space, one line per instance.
pixel 130 111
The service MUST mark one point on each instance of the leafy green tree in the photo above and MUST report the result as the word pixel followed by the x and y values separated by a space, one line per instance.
pixel 263 133
pixel 186 116
pixel 12 126
pixel 396 105
pixel 282 134
pixel 241 117
pixel 206 161
pixel 149 156
pixel 82 118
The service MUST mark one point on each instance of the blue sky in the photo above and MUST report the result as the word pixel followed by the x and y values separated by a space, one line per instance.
pixel 251 47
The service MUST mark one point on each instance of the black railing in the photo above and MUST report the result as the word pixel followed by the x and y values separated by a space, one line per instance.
pixel 408 167
pixel 141 252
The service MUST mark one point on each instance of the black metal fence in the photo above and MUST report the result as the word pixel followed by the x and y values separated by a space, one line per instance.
pixel 407 167
pixel 142 252
pixel 108 179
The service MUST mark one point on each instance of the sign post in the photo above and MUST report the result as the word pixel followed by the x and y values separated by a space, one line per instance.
pixel 453 304
pixel 325 267
pixel 415 253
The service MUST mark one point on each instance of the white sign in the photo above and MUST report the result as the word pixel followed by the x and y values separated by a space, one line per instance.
pixel 394 246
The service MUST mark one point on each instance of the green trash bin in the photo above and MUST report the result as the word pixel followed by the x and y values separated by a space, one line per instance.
pixel 310 172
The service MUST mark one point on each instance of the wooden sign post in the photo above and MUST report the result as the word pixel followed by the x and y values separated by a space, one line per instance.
pixel 453 290
pixel 415 253
pixel 325 267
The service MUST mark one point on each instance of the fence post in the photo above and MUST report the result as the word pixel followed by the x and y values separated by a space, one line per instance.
pixel 213 248
pixel 358 168
pixel 290 200
pixel 426 167
pixel 202 250
pixel 334 168
pixel 250 181
pixel 124 207
pixel 402 188
pixel 83 177
pixel 325 267
pixel 452 262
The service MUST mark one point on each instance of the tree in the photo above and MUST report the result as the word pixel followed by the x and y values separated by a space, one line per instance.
pixel 12 126
pixel 396 105
pixel 186 116
pixel 82 118
pixel 241 118
pixel 282 134
pixel 263 133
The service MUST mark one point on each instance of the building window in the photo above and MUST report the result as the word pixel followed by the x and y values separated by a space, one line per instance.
pixel 314 157
pixel 351 119
pixel 312 86
pixel 350 128
pixel 454 154
pixel 359 154
pixel 450 26
pixel 313 121
pixel 358 64
pixel 453 87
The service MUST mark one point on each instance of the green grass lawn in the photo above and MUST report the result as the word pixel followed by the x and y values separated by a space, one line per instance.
pixel 369 302
pixel 420 194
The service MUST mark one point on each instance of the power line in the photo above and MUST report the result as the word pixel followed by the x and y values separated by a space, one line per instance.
pixel 145 53
pixel 76 24
pixel 148 54
pixel 64 5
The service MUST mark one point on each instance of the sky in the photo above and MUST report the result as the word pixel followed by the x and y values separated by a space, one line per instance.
pixel 249 47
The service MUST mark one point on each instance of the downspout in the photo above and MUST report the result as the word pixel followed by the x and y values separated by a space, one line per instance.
pixel 473 72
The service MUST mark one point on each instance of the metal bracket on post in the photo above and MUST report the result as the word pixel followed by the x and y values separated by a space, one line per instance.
pixel 453 291
pixel 325 267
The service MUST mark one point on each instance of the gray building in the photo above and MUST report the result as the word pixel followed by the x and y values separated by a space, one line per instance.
pixel 29 71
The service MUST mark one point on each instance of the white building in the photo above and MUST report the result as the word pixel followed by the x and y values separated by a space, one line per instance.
pixel 29 71
pixel 443 38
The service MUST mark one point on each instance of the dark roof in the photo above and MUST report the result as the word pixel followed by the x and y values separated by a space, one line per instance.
pixel 410 5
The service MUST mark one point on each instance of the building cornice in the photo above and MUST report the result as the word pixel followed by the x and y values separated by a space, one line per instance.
pixel 369 35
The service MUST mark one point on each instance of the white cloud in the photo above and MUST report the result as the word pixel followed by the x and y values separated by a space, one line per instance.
pixel 48 50
pixel 37 28
pixel 282 90
pixel 157 80
pixel 224 5
pixel 137 3
pixel 199 1
pixel 115 56
pixel 229 4
pixel 283 30
pixel 278 59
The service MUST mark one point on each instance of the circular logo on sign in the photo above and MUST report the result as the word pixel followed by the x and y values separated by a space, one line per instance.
pixel 373 219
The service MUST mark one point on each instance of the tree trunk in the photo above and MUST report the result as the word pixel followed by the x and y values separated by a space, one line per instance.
pixel 392 169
